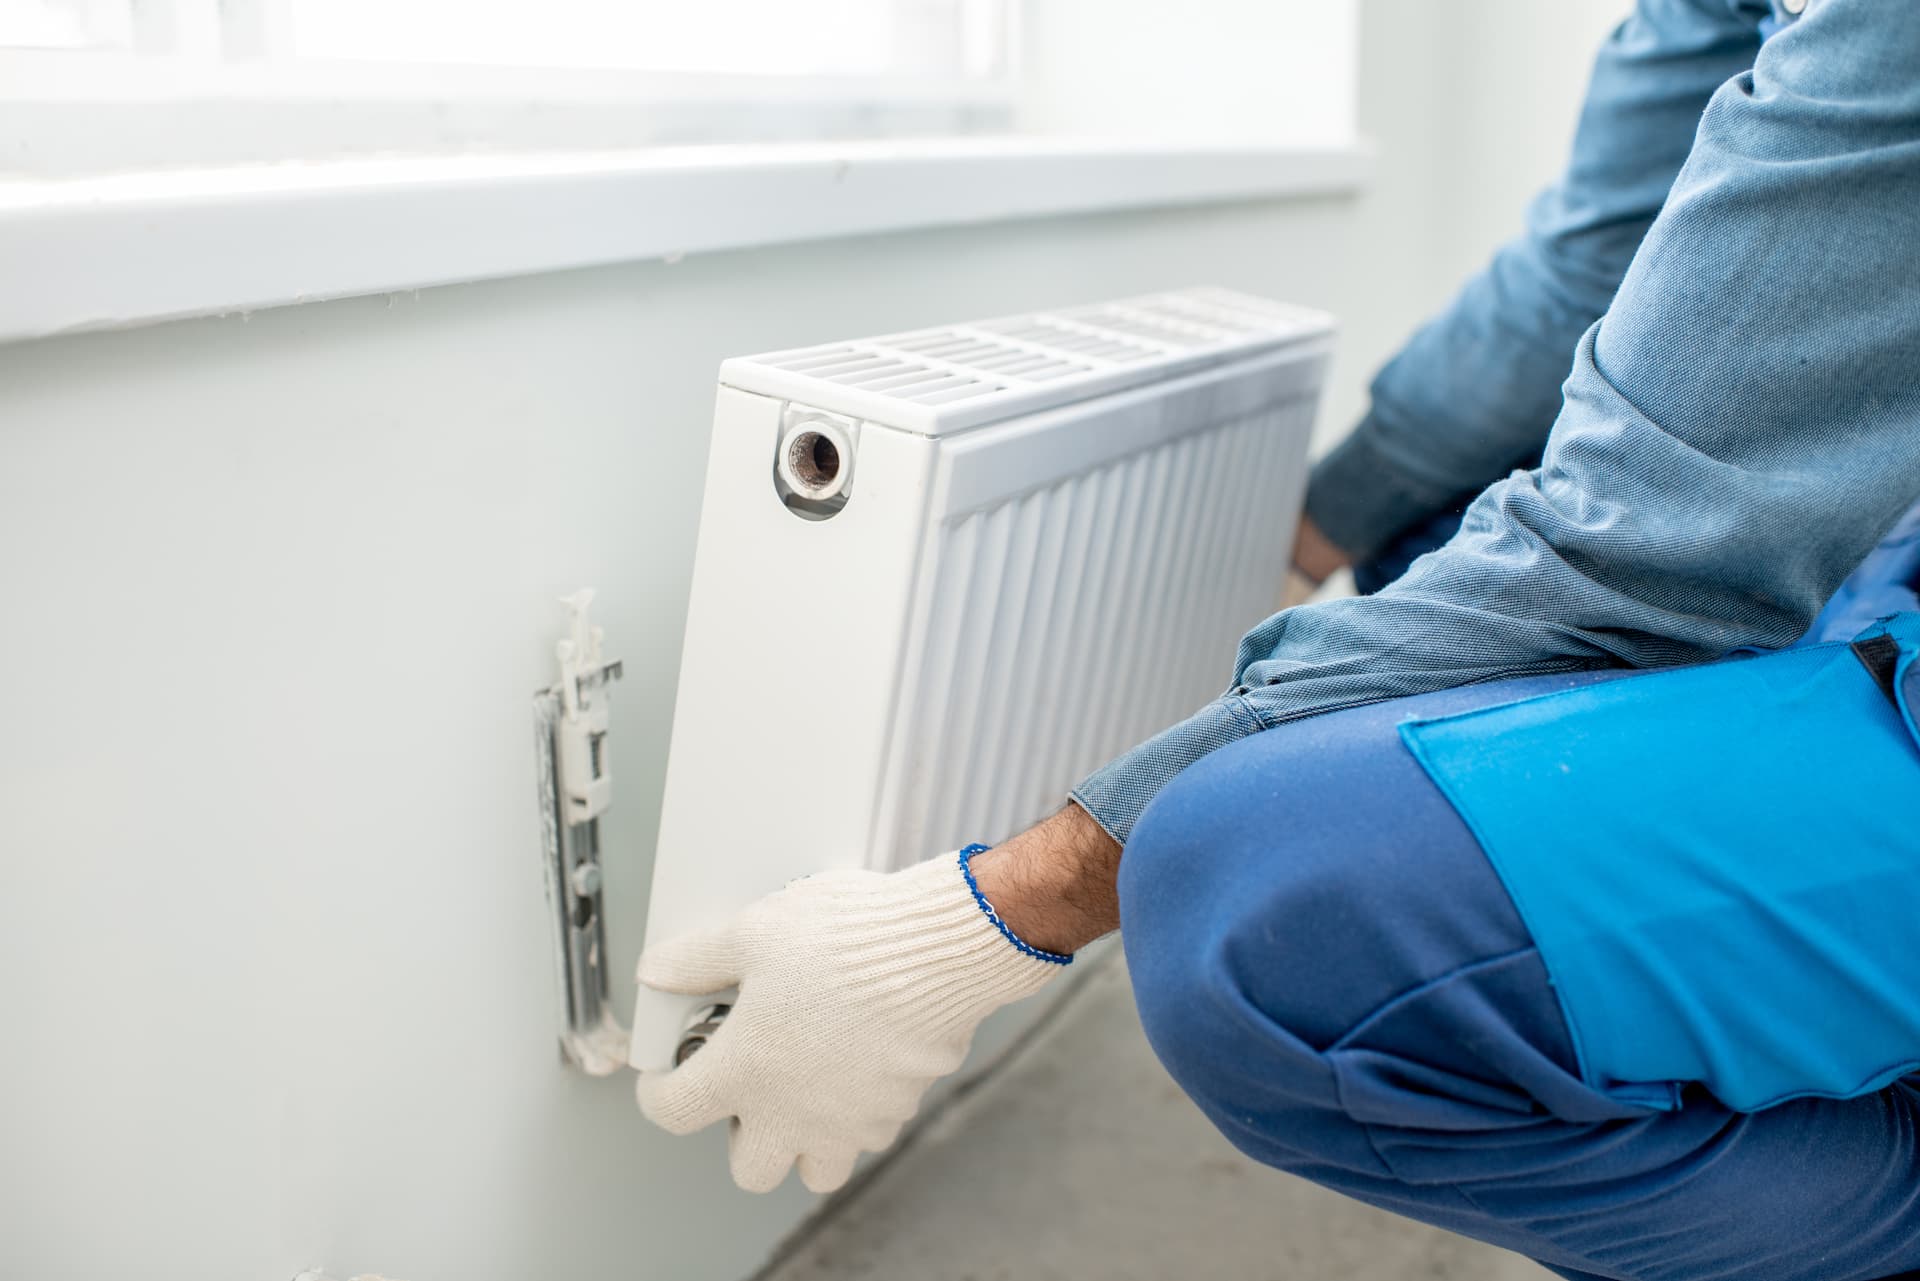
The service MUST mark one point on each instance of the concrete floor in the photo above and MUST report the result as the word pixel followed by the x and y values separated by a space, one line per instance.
pixel 1078 1159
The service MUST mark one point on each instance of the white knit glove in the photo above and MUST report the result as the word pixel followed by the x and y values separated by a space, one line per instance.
pixel 858 990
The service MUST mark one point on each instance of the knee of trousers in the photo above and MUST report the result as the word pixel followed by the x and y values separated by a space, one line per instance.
pixel 1273 900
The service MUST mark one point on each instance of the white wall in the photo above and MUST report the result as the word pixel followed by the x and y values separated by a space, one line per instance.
pixel 274 969
pixel 278 593
pixel 1508 127
pixel 1249 70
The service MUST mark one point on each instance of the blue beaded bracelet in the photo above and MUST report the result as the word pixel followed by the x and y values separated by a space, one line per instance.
pixel 1038 954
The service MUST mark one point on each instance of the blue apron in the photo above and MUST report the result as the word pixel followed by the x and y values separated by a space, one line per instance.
pixel 1653 834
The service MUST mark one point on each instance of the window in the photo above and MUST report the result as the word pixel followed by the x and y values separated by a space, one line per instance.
pixel 951 39
pixel 104 86
pixel 226 81
pixel 65 24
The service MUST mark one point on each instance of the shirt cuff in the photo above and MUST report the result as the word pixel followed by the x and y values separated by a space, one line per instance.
pixel 1360 497
pixel 1117 793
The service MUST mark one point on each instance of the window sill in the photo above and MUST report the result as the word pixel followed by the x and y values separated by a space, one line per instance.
pixel 119 250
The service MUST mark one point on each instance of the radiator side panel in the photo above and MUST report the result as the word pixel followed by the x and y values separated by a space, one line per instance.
pixel 788 678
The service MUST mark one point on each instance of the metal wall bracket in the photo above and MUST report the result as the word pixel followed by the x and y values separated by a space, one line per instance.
pixel 575 779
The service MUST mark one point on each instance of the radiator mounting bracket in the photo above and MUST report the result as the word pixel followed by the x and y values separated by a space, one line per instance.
pixel 574 775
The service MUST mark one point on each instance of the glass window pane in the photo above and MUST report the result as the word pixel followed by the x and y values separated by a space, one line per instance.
pixel 65 24
pixel 756 37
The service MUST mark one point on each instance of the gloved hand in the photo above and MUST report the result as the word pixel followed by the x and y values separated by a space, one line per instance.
pixel 858 990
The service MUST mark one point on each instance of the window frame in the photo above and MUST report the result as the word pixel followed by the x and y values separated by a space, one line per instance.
pixel 111 251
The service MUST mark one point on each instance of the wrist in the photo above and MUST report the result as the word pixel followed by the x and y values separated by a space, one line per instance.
pixel 1054 884
pixel 1007 932
pixel 1315 555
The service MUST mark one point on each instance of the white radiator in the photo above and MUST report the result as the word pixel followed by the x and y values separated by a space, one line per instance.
pixel 942 575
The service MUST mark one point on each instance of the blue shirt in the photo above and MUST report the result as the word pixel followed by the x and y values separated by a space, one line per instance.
pixel 1732 259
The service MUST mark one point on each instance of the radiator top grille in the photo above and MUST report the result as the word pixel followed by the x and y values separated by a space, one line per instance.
pixel 936 381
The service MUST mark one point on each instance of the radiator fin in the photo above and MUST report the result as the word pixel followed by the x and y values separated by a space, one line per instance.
pixel 1071 622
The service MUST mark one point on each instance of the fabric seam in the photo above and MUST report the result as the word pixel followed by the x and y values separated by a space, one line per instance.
pixel 1424 986
pixel 1413 746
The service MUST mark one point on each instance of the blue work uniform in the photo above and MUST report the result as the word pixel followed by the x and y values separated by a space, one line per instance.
pixel 1617 970
pixel 1574 902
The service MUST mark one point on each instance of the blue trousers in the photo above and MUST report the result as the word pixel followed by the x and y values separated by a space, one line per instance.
pixel 1326 960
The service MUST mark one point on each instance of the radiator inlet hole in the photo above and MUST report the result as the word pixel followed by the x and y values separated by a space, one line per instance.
pixel 814 460
pixel 813 465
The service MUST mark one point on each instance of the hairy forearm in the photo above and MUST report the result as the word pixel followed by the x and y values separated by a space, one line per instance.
pixel 1054 884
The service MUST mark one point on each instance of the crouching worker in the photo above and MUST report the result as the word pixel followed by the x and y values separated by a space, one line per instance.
pixel 1565 891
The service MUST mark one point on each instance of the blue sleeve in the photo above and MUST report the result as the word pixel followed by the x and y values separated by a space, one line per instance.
pixel 1475 390
pixel 1738 430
